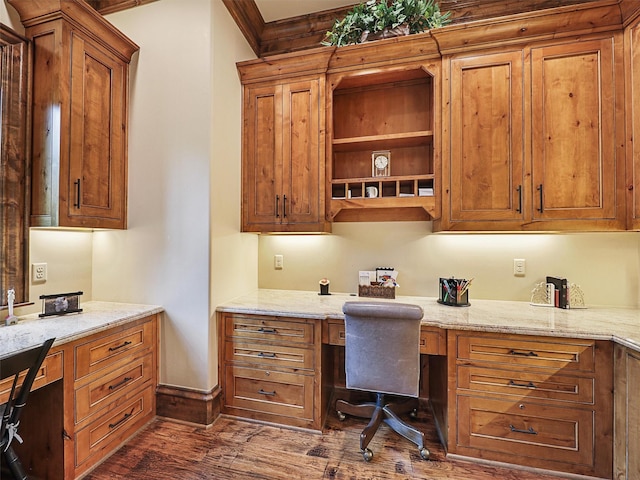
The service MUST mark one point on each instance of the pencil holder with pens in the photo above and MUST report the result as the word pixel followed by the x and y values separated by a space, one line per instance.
pixel 454 292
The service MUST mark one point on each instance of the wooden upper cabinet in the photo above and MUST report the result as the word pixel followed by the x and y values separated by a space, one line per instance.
pixel 536 138
pixel 283 151
pixel 575 168
pixel 80 109
pixel 391 112
pixel 486 173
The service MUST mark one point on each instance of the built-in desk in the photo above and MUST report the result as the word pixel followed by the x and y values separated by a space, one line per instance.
pixel 95 389
pixel 464 390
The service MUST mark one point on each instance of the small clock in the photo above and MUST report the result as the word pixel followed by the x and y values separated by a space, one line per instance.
pixel 381 163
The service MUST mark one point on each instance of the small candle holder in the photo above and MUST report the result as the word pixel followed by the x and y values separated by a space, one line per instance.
pixel 324 287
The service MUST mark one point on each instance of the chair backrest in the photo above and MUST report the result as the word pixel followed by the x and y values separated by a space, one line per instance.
pixel 382 347
pixel 30 360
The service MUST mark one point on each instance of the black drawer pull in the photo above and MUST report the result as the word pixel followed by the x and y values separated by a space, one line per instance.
pixel 529 431
pixel 113 349
pixel 267 330
pixel 524 354
pixel 267 355
pixel 126 415
pixel 263 392
pixel 527 385
pixel 124 380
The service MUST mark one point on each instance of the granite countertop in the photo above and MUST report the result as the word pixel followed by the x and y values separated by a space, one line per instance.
pixel 31 330
pixel 621 325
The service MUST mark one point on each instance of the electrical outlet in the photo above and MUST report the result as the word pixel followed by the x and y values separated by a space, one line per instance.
pixel 278 262
pixel 519 269
pixel 38 272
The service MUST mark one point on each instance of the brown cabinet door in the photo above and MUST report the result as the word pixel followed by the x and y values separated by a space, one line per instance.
pixel 487 175
pixel 262 168
pixel 573 131
pixel 96 189
pixel 301 153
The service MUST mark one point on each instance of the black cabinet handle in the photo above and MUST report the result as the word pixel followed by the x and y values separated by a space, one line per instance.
pixel 267 355
pixel 77 202
pixel 267 330
pixel 519 209
pixel 527 385
pixel 113 349
pixel 523 354
pixel 125 380
pixel 277 206
pixel 284 206
pixel 263 392
pixel 126 415
pixel 541 208
pixel 529 431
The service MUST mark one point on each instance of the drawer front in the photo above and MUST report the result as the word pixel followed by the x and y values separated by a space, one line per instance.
pixel 270 356
pixel 519 351
pixel 521 384
pixel 277 393
pixel 50 371
pixel 269 329
pixel 433 341
pixel 110 386
pixel 526 430
pixel 107 432
pixel 337 335
pixel 106 350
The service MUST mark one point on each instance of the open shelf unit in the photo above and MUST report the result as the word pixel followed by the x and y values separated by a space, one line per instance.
pixel 382 110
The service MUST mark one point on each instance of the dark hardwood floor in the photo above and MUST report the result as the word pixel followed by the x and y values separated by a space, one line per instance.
pixel 237 449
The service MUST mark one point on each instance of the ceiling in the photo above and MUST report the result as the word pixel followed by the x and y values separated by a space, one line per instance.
pixel 273 10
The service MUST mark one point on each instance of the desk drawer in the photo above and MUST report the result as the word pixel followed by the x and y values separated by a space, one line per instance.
pixel 270 356
pixel 525 351
pixel 50 371
pixel 106 350
pixel 108 431
pixel 269 329
pixel 433 341
pixel 532 385
pixel 529 432
pixel 266 391
pixel 107 388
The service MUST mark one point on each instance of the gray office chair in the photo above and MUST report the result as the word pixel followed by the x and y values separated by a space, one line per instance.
pixel 382 355
pixel 31 361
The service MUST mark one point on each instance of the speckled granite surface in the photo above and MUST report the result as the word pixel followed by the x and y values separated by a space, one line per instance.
pixel 621 325
pixel 31 330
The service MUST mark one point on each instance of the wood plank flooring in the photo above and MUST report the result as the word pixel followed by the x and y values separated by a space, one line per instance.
pixel 238 449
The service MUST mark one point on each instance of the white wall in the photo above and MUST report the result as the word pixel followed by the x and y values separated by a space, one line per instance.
pixel 605 265
pixel 178 151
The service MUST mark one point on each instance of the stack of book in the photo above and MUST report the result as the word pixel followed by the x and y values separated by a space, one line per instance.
pixel 559 291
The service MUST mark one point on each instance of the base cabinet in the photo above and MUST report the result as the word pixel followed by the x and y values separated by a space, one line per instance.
pixel 627 414
pixel 113 382
pixel 542 402
pixel 270 368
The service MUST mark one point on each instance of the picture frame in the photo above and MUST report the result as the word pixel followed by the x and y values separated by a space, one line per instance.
pixel 60 304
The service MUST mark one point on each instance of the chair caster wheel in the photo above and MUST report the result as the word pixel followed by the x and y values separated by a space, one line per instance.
pixel 341 416
pixel 424 453
pixel 367 454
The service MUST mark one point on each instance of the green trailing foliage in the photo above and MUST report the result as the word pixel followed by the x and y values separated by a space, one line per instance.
pixel 382 16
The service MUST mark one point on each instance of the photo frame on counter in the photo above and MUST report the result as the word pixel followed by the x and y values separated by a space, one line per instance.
pixel 60 304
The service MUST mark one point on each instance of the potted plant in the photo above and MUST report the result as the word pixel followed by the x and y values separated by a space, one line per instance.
pixel 377 19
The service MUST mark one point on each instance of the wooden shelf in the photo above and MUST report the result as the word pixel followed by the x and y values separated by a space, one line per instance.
pixel 387 141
